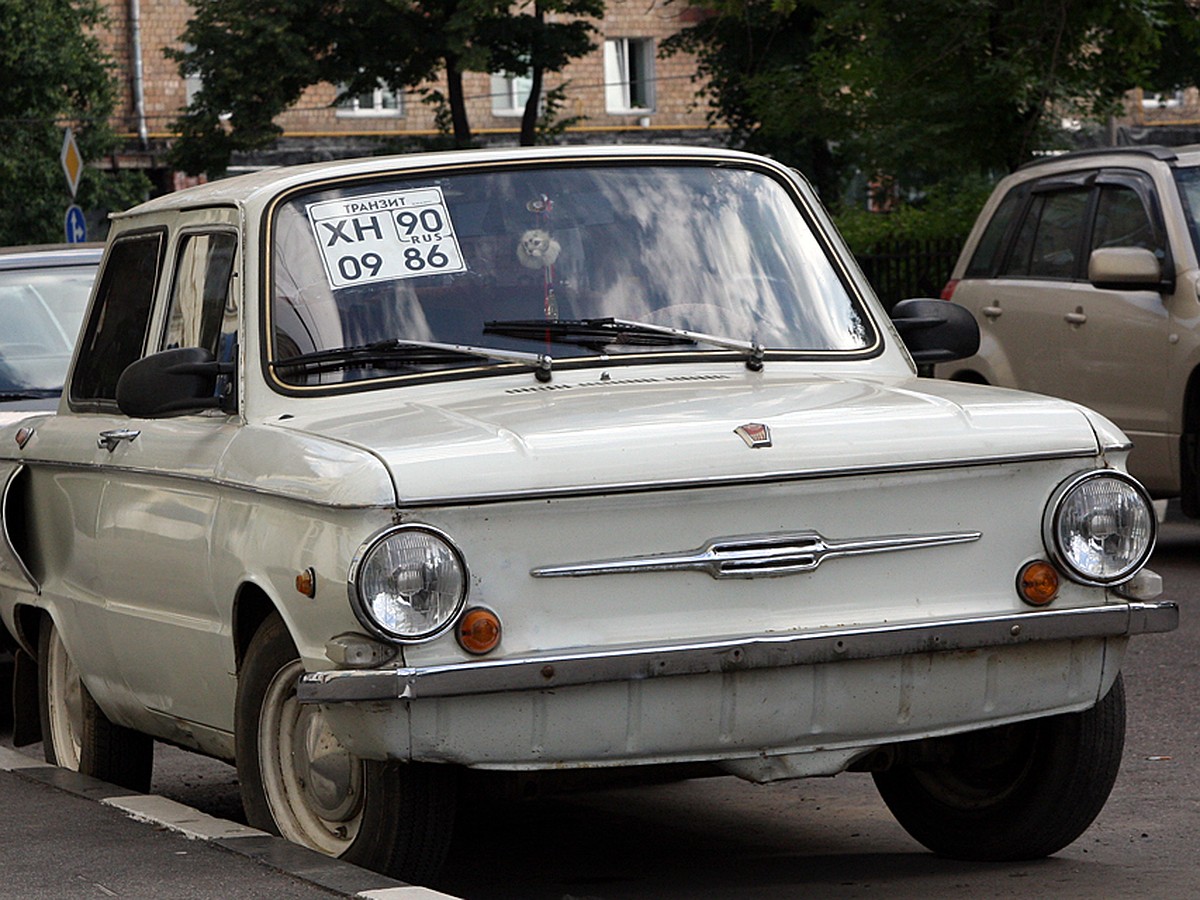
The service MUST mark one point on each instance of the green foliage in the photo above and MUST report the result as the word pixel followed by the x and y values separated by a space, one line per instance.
pixel 551 123
pixel 754 55
pixel 920 89
pixel 256 60
pixel 54 76
pixel 946 211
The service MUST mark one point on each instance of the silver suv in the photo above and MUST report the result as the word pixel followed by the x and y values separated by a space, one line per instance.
pixel 1082 273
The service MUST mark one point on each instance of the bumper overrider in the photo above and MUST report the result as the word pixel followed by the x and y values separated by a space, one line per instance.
pixel 747 653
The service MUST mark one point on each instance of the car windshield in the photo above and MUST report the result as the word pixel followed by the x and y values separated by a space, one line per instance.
pixel 686 258
pixel 40 312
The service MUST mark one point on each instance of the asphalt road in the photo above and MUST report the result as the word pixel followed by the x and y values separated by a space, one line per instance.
pixel 724 838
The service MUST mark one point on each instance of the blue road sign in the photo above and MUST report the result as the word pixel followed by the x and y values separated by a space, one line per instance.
pixel 75 225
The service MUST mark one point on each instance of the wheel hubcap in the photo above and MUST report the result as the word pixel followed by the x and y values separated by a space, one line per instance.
pixel 313 784
pixel 65 700
pixel 334 781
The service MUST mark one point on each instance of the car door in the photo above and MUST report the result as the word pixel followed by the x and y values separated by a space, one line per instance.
pixel 143 590
pixel 1115 345
pixel 1026 308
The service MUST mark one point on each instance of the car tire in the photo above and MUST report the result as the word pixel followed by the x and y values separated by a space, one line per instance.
pixel 1021 791
pixel 298 781
pixel 6 690
pixel 76 734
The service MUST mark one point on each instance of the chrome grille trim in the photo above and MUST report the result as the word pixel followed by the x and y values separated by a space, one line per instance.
pixel 757 556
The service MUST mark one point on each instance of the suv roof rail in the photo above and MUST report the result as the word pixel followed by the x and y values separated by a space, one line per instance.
pixel 1157 151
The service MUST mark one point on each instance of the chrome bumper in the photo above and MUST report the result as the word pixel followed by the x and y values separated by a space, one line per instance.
pixel 736 654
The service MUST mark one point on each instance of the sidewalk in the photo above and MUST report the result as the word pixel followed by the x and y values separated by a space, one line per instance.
pixel 66 835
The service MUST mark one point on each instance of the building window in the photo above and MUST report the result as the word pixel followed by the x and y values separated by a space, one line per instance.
pixel 383 101
pixel 629 75
pixel 509 93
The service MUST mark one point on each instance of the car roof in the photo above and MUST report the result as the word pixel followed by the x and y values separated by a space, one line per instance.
pixel 246 189
pixel 48 256
pixel 1188 155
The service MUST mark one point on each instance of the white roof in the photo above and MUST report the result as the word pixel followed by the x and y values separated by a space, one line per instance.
pixel 246 190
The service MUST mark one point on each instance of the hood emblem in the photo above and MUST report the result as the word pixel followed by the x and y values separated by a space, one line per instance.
pixel 759 555
pixel 755 435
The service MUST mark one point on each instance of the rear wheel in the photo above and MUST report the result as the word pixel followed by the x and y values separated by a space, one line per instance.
pixel 1019 791
pixel 75 732
pixel 298 781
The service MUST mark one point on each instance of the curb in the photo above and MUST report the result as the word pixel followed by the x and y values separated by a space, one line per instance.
pixel 341 878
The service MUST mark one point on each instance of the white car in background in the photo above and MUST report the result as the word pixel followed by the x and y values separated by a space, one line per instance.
pixel 43 294
pixel 370 472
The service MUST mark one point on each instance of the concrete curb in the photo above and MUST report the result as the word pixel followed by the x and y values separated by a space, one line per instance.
pixel 341 878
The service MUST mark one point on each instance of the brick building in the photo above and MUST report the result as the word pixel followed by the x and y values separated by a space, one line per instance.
pixel 622 91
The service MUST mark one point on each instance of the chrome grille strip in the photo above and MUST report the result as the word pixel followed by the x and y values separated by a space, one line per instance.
pixel 757 556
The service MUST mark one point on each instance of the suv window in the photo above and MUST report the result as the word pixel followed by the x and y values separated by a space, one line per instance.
pixel 1050 238
pixel 1122 221
pixel 116 330
pixel 986 259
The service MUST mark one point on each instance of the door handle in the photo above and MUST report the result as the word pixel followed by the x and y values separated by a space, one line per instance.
pixel 108 440
pixel 1077 317
pixel 992 312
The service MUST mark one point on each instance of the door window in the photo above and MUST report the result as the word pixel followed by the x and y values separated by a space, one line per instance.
pixel 1050 239
pixel 203 311
pixel 1122 221
pixel 116 329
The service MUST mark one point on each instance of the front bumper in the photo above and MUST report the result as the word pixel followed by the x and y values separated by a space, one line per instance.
pixel 745 654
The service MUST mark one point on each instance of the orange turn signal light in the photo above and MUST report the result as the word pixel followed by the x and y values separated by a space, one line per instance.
pixel 306 582
pixel 1038 583
pixel 478 631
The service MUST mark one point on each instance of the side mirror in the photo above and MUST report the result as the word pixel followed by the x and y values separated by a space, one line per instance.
pixel 1125 269
pixel 171 383
pixel 936 330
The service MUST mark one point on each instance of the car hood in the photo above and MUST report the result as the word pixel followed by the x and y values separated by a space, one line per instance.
pixel 642 433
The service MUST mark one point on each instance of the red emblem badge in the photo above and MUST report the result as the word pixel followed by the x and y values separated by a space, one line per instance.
pixel 754 434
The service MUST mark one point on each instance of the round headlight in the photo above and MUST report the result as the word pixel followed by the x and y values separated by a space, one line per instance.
pixel 1100 527
pixel 408 583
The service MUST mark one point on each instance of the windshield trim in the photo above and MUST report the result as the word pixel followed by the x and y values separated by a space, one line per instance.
pixel 783 177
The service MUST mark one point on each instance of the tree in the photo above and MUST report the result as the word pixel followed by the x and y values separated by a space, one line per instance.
pixel 54 75
pixel 919 89
pixel 256 60
pixel 752 56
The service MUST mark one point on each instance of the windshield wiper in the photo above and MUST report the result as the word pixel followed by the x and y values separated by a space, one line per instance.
pixel 598 333
pixel 410 353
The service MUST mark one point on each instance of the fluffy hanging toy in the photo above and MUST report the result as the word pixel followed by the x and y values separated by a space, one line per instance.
pixel 537 249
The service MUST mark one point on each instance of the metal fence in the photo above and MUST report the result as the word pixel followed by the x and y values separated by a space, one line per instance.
pixel 909 268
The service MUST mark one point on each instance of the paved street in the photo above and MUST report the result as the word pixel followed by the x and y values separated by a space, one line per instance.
pixel 716 838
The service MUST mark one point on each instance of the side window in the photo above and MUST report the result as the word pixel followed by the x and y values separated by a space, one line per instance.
pixel 1051 237
pixel 1122 221
pixel 115 334
pixel 986 259
pixel 203 310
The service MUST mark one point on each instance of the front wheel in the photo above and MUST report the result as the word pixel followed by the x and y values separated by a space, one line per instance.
pixel 298 781
pixel 1020 791
pixel 76 734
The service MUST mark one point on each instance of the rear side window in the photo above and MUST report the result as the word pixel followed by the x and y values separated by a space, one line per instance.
pixel 986 259
pixel 116 329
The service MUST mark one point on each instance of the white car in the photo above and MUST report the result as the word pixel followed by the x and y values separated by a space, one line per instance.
pixel 43 294
pixel 552 459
